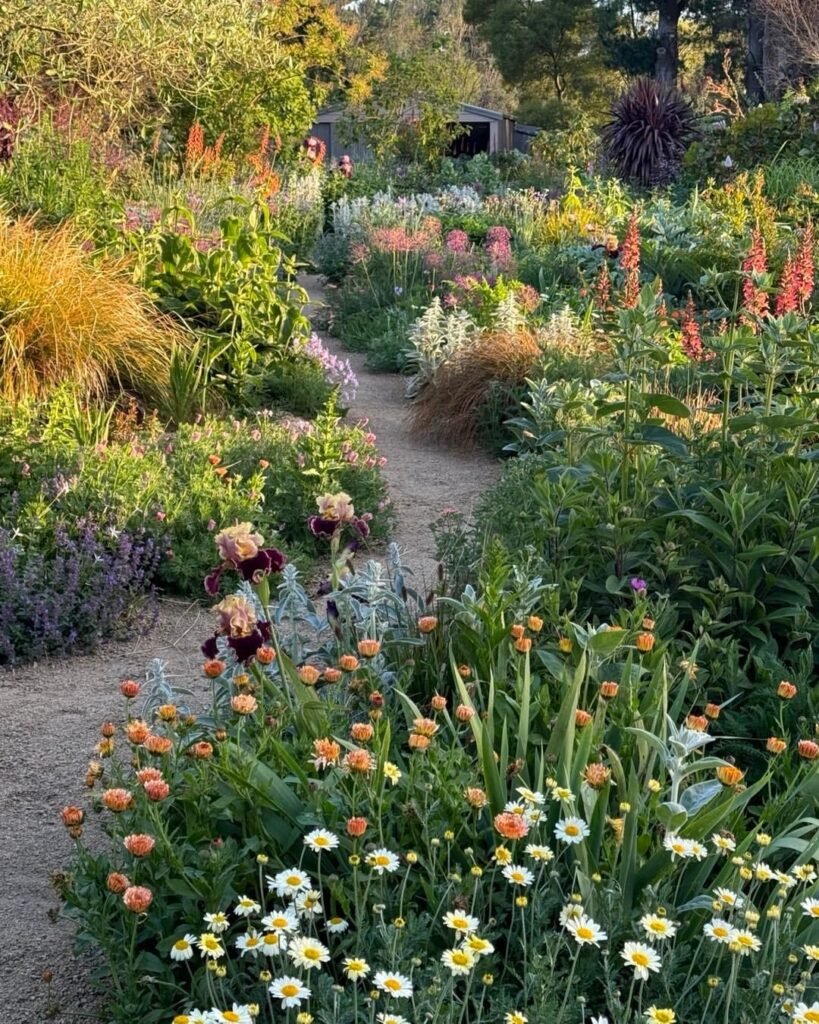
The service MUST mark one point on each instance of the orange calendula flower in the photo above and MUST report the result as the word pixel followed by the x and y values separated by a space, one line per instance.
pixel 775 745
pixel 476 797
pixel 213 668
pixel 203 750
pixel 166 712
pixel 464 712
pixel 244 703
pixel 117 882
pixel 517 631
pixel 148 775
pixel 356 827
pixel 348 662
pixel 730 775
pixel 331 675
pixel 645 642
pixel 511 826
pixel 427 624
pixel 609 689
pixel 358 761
pixel 523 644
pixel 596 775
pixel 139 844
pixel 117 800
pixel 535 623
pixel 362 732
pixel 369 648
pixel 712 711
pixel 697 723
pixel 129 688
pixel 582 718
pixel 786 690
pixel 326 752
pixel 438 702
pixel 309 675
pixel 808 749
pixel 157 790
pixel 72 816
pixel 157 744
pixel 265 655
pixel 137 898
pixel 418 741
pixel 137 731
pixel 425 726
pixel 108 729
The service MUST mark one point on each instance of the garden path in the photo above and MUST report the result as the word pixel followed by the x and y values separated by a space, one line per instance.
pixel 51 712
pixel 423 478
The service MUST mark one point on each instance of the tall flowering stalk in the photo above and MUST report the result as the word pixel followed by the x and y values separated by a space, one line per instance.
pixel 787 301
pixel 602 287
pixel 630 263
pixel 806 267
pixel 691 337
pixel 754 298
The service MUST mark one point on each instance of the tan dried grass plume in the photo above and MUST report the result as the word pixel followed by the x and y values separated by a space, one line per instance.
pixel 64 317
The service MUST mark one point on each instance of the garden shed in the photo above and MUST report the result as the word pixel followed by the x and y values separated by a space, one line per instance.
pixel 489 131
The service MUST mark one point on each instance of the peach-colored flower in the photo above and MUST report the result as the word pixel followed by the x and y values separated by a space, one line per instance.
pixel 609 689
pixel 72 817
pixel 359 761
pixel 425 726
pixel 156 790
pixel 786 690
pixel 427 624
pixel 237 616
pixel 535 623
pixel 697 723
pixel 148 775
pixel 139 844
pixel 238 543
pixel 523 644
pixel 438 702
pixel 348 662
pixel 166 712
pixel 117 882
pixel 336 506
pixel 517 631
pixel 730 775
pixel 596 775
pixel 645 642
pixel 108 729
pixel 155 744
pixel 712 711
pixel 775 745
pixel 369 648
pixel 265 655
pixel 464 712
pixel 137 898
pixel 244 703
pixel 213 668
pixel 361 732
pixel 326 752
pixel 582 718
pixel 137 730
pixel 117 800
pixel 417 741
pixel 331 675
pixel 476 797
pixel 648 623
pixel 129 688
pixel 565 645
pixel 808 749
pixel 203 750
pixel 309 674
pixel 511 826
pixel 356 827
pixel 105 748
pixel 464 671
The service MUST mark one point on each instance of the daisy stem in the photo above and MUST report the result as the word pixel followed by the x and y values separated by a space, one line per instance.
pixel 729 995
pixel 569 984
pixel 707 1006
pixel 630 996
pixel 466 997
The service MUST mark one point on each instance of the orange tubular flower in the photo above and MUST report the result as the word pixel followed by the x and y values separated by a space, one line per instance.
pixel 148 775
pixel 775 745
pixel 348 662
pixel 645 642
pixel 157 744
pixel 523 644
pixel 309 675
pixel 712 711
pixel 361 732
pixel 517 631
pixel 427 624
pixel 137 898
pixel 213 668
pixel 139 845
pixel 331 675
pixel 157 790
pixel 129 688
pixel 808 749
pixel 356 827
pixel 137 731
pixel 438 703
pixel 609 689
pixel 698 723
pixel 265 655
pixel 464 712
pixel 729 775
pixel 117 882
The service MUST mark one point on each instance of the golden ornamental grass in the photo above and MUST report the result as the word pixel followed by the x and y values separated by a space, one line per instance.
pixel 64 317
pixel 449 408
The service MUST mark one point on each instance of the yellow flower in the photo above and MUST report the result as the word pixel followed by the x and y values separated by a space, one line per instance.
pixel 392 772
pixel 515 1017
pixel 502 855
pixel 660 1016
pixel 654 785
pixel 763 839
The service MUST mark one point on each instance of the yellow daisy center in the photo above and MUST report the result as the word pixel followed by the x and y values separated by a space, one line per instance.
pixel 381 860
pixel 393 984
pixel 460 958
pixel 271 940
pixel 311 953
pixel 745 940
pixel 321 841
pixel 211 942
pixel 231 1016
pixel 572 830
pixel 294 879
pixel 585 933
pixel 279 922
pixel 658 927
pixel 252 940
pixel 640 958
pixel 181 944
pixel 290 990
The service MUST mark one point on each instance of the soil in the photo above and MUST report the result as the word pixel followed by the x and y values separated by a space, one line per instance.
pixel 51 712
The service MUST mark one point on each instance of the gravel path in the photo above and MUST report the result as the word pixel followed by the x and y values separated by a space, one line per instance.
pixel 51 713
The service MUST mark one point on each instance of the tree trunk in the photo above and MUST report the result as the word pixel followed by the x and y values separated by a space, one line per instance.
pixel 754 72
pixel 667 60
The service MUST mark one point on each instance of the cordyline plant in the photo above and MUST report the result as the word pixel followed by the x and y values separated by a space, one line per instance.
pixel 319 846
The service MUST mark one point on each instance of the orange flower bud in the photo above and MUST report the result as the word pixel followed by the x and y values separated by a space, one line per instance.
pixel 582 718
pixel 438 702
pixel 203 750
pixel 117 882
pixel 129 688
pixel 786 690
pixel 808 749
pixel 369 648
pixel 139 845
pixel 609 688
pixel 476 798
pixel 137 731
pixel 331 675
pixel 348 662
pixel 309 675
pixel 427 624
pixel 425 726
pixel 648 623
pixel 418 742
pixel 265 655
pixel 697 723
pixel 243 704
pixel 729 775
pixel 464 712
pixel 565 645
pixel 712 711
pixel 464 671
pixel 523 644
pixel 510 825
pixel 645 642
pixel 517 631
pixel 596 775
pixel 157 790
pixel 117 800
pixel 775 745
pixel 137 898
pixel 157 744
pixel 213 668
pixel 535 623
pixel 356 827
pixel 108 729
pixel 166 712
pixel 377 699
pixel 361 732
pixel 72 816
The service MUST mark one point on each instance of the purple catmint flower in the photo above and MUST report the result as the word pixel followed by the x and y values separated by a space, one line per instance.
pixel 337 372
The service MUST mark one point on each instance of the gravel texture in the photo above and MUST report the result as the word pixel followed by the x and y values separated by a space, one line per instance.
pixel 51 713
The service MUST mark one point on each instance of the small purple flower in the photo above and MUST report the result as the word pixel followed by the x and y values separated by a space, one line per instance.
pixel 639 586
pixel 399 290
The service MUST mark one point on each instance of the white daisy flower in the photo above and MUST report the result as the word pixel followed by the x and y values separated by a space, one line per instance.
pixel 383 861
pixel 320 840
pixel 197 1016
pixel 804 1014
pixel 516 874
pixel 719 930
pixel 273 943
pixel 810 908
pixel 459 961
pixel 805 872
pixel 570 913
pixel 679 847
pixel 281 920
pixel 459 921
pixel 290 990
pixel 290 882
pixel 785 880
pixel 585 931
pixel 562 795
pixel 531 796
pixel 764 872
pixel 308 953
pixel 238 1015
pixel 642 958
pixel 725 844
pixel 337 925
pixel 541 853
pixel 210 946
pixel 480 947
pixel 218 922
pixel 355 967
pixel 182 949
pixel 308 903
pixel 250 943
pixel 657 927
pixel 729 898
pixel 391 1018
pixel 246 907
pixel 396 985
pixel 745 942
pixel 571 830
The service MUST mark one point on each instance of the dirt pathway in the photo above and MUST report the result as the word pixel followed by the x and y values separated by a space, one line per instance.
pixel 51 712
